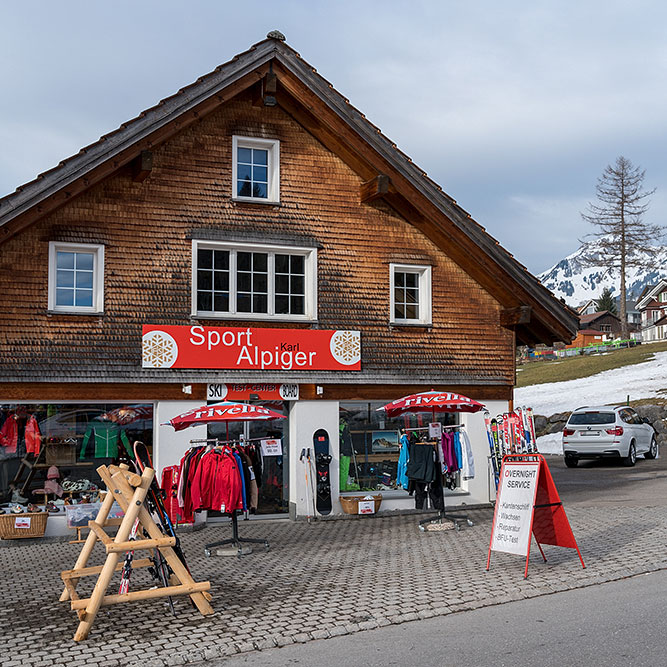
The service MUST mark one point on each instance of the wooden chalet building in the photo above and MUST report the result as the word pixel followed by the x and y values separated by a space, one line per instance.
pixel 253 237
pixel 602 321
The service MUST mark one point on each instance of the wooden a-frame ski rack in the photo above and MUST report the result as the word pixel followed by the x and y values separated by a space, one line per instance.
pixel 129 490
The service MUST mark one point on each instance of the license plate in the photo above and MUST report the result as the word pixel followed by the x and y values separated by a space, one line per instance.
pixel 590 432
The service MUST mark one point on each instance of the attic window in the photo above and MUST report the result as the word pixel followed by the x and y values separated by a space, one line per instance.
pixel 410 291
pixel 256 170
pixel 76 278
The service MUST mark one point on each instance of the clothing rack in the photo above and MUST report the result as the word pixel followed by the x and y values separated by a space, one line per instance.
pixel 217 441
pixel 234 540
pixel 445 427
pixel 442 515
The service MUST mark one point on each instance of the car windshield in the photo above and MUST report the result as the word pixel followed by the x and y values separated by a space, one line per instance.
pixel 592 418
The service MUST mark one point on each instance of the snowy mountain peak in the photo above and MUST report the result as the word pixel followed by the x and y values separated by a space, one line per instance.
pixel 573 280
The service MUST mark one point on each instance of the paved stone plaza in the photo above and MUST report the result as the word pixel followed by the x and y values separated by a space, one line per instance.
pixel 318 580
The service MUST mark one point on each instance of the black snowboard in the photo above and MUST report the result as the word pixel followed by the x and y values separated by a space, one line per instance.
pixel 322 461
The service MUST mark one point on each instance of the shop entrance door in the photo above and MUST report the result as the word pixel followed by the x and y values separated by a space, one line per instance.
pixel 273 486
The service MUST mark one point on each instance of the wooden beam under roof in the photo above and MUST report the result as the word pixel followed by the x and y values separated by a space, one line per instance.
pixel 142 166
pixel 374 189
pixel 510 317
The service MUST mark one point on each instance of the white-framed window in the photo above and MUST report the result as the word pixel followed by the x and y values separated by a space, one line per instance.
pixel 253 281
pixel 410 290
pixel 256 169
pixel 76 277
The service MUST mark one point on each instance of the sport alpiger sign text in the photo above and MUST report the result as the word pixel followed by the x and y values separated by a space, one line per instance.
pixel 250 348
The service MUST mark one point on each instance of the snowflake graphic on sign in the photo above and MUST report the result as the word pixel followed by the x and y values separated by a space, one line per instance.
pixel 159 350
pixel 346 347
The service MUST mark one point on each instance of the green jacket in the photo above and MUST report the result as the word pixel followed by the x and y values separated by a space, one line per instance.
pixel 106 436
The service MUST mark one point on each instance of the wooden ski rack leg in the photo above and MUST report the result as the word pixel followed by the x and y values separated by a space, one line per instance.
pixel 129 490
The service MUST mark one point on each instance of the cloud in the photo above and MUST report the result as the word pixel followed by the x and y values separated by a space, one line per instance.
pixel 514 108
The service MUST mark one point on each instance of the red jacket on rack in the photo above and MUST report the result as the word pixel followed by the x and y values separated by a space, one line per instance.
pixel 33 438
pixel 216 484
pixel 9 434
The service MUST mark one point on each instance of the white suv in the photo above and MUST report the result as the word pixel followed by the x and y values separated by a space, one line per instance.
pixel 607 432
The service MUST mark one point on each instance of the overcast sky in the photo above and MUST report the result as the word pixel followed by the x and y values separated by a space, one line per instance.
pixel 514 108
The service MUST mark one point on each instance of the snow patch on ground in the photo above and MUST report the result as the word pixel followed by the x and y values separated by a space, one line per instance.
pixel 552 443
pixel 609 387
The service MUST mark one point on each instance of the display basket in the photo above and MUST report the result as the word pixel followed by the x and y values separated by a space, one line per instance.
pixel 28 524
pixel 350 504
pixel 60 453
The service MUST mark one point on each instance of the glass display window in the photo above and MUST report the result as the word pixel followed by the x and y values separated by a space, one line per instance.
pixel 370 444
pixel 50 451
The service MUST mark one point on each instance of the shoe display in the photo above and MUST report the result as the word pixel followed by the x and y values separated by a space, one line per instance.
pixel 33 508
pixel 51 507
pixel 17 509
pixel 17 497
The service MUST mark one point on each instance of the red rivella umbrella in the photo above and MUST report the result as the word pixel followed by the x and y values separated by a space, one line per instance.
pixel 222 412
pixel 431 401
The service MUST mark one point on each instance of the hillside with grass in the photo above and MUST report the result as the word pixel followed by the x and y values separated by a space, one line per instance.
pixel 574 368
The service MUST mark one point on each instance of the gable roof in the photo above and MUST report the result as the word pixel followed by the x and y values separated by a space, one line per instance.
pixel 592 317
pixel 584 306
pixel 531 309
pixel 650 294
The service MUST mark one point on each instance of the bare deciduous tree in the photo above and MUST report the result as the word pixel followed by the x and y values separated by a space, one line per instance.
pixel 624 240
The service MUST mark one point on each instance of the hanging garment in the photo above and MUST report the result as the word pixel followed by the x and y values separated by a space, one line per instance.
pixel 9 434
pixel 228 485
pixel 441 455
pixel 403 458
pixel 184 472
pixel 201 489
pixel 192 467
pixel 457 450
pixel 105 436
pixel 421 466
pixel 433 491
pixel 468 468
pixel 448 452
pixel 255 454
pixel 239 463
pixel 33 438
pixel 254 493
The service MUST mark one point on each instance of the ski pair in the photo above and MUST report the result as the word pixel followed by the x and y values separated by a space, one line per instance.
pixel 160 571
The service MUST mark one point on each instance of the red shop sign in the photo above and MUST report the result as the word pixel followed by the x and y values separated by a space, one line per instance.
pixel 250 349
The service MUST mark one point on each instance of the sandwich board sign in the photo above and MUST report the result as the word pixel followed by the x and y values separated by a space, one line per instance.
pixel 528 505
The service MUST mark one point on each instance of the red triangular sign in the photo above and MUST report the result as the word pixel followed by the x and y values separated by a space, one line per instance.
pixel 550 524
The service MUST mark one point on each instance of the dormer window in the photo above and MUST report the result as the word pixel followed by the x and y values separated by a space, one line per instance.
pixel 256 170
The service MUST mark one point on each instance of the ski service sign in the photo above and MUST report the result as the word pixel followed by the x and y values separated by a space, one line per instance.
pixel 513 518
pixel 250 348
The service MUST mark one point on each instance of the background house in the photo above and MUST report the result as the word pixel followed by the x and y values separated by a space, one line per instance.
pixel 603 322
pixel 652 306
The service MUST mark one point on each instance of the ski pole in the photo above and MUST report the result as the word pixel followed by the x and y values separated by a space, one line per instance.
pixel 305 467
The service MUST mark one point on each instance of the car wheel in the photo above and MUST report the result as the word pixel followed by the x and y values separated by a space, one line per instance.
pixel 571 462
pixel 631 458
pixel 652 450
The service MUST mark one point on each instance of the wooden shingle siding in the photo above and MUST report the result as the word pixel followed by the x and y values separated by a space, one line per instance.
pixel 147 229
